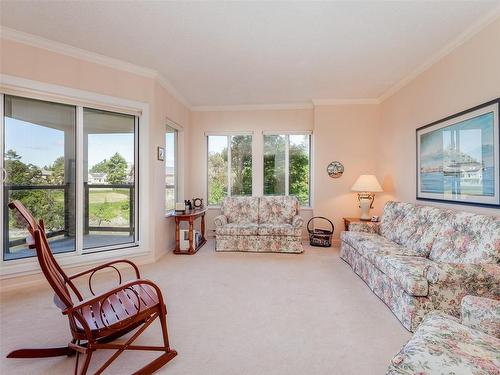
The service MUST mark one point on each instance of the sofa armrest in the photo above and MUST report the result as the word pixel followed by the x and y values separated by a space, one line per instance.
pixel 220 221
pixel 297 221
pixel 487 275
pixel 367 227
pixel 482 314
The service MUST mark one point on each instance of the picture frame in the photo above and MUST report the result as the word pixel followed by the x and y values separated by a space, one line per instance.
pixel 161 153
pixel 458 158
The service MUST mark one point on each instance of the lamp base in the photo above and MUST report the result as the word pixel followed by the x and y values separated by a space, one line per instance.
pixel 365 203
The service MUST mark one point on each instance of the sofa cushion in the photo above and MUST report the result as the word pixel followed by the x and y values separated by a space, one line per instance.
pixel 467 238
pixel 233 229
pixel 392 217
pixel 412 226
pixel 370 245
pixel 278 209
pixel 241 209
pixel 279 230
pixel 406 271
pixel 441 345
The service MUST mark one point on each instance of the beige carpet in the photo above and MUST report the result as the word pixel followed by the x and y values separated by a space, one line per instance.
pixel 235 314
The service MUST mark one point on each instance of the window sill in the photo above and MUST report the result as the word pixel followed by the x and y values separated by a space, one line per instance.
pixel 29 266
pixel 170 213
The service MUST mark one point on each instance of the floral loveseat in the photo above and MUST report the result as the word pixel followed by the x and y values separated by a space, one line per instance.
pixel 442 344
pixel 422 258
pixel 261 224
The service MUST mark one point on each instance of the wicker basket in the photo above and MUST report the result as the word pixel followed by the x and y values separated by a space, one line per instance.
pixel 320 237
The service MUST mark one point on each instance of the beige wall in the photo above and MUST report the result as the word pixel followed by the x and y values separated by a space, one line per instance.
pixel 38 64
pixel 469 76
pixel 349 134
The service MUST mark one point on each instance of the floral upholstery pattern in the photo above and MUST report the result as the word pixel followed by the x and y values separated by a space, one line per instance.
pixel 406 278
pixel 241 209
pixel 365 227
pixel 393 216
pixel 220 221
pixel 242 225
pixel 484 275
pixel 468 238
pixel 278 209
pixel 261 244
pixel 482 314
pixel 279 230
pixel 414 227
pixel 441 345
pixel 233 229
pixel 408 272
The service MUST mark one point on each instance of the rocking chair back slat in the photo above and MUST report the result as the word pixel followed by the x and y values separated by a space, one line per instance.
pixel 50 268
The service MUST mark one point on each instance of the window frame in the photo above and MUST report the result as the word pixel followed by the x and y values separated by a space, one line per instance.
pixel 21 87
pixel 258 161
pixel 287 135
pixel 228 136
pixel 175 131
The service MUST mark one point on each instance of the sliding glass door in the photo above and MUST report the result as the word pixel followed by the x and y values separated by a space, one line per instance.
pixel 39 159
pixel 87 199
pixel 109 178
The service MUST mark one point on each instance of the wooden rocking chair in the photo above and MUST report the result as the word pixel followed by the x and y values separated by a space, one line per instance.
pixel 97 321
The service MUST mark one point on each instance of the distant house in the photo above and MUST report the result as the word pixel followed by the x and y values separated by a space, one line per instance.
pixel 46 174
pixel 98 178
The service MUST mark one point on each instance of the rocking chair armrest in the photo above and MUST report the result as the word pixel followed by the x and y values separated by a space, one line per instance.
pixel 106 265
pixel 103 296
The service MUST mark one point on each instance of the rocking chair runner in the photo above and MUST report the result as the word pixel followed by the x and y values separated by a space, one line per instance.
pixel 97 321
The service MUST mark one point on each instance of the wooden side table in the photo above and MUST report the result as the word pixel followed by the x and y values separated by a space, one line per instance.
pixel 190 216
pixel 349 220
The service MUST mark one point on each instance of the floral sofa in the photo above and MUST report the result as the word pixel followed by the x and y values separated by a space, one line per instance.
pixel 260 224
pixel 422 258
pixel 443 344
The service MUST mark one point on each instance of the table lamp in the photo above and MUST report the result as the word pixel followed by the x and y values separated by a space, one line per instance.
pixel 366 186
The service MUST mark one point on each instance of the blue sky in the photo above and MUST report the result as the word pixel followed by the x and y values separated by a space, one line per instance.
pixel 40 145
pixel 474 133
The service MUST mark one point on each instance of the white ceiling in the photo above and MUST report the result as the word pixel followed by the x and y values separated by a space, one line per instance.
pixel 240 53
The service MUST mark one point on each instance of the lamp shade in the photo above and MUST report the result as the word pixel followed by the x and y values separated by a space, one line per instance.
pixel 367 183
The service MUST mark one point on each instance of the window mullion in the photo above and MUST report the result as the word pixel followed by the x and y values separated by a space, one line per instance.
pixel 228 165
pixel 287 166
pixel 79 179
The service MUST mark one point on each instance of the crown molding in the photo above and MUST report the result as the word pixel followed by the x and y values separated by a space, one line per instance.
pixel 251 107
pixel 318 102
pixel 96 58
pixel 472 30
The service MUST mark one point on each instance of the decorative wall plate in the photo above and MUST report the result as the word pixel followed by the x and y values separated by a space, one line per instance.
pixel 335 169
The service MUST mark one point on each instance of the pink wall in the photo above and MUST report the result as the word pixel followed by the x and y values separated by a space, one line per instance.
pixel 38 64
pixel 468 76
pixel 349 134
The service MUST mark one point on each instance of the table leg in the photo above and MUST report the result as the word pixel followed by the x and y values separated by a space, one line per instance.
pixel 191 248
pixel 177 236
pixel 203 227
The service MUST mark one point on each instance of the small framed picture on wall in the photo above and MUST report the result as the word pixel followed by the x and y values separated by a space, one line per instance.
pixel 161 153
pixel 458 158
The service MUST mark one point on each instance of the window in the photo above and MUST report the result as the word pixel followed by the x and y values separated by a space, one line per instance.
pixel 39 159
pixel 109 178
pixel 44 172
pixel 170 168
pixel 287 165
pixel 229 166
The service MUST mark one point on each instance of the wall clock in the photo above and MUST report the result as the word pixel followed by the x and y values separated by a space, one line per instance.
pixel 335 169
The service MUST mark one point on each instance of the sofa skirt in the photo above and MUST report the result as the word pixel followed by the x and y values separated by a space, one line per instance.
pixel 410 310
pixel 261 244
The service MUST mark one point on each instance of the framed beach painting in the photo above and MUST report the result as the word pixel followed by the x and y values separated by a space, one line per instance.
pixel 458 158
